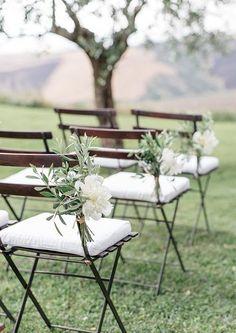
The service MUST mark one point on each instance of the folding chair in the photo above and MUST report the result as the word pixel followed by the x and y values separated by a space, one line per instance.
pixel 4 220
pixel 37 238
pixel 200 169
pixel 109 120
pixel 29 139
pixel 26 136
pixel 108 116
pixel 6 312
pixel 106 133
pixel 128 188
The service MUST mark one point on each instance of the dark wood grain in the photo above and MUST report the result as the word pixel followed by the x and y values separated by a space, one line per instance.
pixel 25 135
pixel 106 133
pixel 166 115
pixel 44 136
pixel 90 112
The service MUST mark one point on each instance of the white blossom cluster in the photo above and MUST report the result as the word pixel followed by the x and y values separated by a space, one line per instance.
pixel 205 142
pixel 171 165
pixel 96 197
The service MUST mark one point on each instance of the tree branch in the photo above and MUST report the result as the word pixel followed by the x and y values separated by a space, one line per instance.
pixel 79 31
pixel 72 14
pixel 120 39
pixel 62 32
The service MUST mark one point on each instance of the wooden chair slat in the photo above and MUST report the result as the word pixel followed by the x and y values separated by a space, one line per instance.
pixel 26 135
pixel 167 115
pixel 106 133
pixel 89 112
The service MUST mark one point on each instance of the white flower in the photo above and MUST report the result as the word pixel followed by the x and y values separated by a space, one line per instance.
pixel 97 195
pixel 205 142
pixel 78 185
pixel 170 165
pixel 71 175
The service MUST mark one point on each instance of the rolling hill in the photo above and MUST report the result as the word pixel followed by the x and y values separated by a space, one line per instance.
pixel 147 77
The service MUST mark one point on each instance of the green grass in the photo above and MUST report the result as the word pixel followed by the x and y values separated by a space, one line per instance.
pixel 201 300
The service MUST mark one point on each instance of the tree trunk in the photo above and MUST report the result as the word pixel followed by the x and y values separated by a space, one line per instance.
pixel 104 97
pixel 103 92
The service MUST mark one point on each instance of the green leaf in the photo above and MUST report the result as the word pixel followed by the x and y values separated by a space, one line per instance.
pixel 47 194
pixel 44 178
pixel 34 168
pixel 50 169
pixel 56 205
pixel 49 217
pixel 58 230
pixel 61 219
pixel 65 188
pixel 39 189
pixel 68 193
pixel 32 177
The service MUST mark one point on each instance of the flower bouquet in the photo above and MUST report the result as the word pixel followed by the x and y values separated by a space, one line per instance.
pixel 203 141
pixel 77 190
pixel 157 156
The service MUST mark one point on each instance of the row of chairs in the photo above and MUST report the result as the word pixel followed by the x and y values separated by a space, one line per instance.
pixel 138 192
pixel 26 235
pixel 199 170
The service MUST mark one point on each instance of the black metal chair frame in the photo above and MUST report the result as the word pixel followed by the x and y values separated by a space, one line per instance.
pixel 119 154
pixel 202 187
pixel 6 311
pixel 38 254
pixel 53 256
pixel 108 114
pixel 201 180
pixel 169 224
pixel 23 135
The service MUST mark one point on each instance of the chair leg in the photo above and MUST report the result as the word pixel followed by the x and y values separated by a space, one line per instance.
pixel 140 219
pixel 17 217
pixel 25 297
pixel 106 293
pixel 116 203
pixel 124 210
pixel 28 292
pixel 64 137
pixel 202 189
pixel 169 225
pixel 109 287
pixel 6 311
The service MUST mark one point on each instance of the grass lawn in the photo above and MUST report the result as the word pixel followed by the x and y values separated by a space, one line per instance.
pixel 201 300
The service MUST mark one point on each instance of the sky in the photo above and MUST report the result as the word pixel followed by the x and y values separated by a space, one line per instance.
pixel 223 19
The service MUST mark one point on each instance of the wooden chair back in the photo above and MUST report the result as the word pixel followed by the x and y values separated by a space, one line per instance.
pixel 26 135
pixel 107 115
pixel 140 114
pixel 111 133
pixel 24 160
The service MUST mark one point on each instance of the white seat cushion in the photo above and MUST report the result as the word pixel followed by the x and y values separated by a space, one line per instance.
pixel 4 218
pixel 129 185
pixel 21 177
pixel 113 163
pixel 38 233
pixel 206 164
